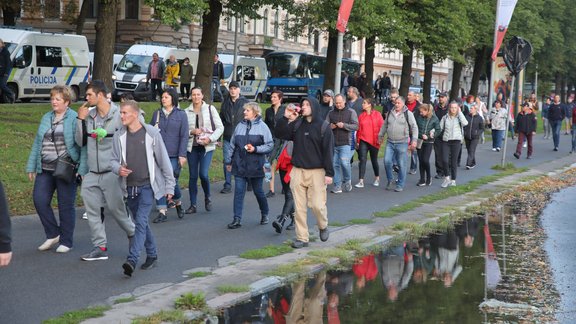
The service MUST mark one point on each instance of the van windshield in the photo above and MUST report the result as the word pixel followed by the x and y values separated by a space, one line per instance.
pixel 227 70
pixel 134 63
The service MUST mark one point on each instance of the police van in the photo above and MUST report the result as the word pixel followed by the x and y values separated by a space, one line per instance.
pixel 42 60
pixel 251 74
pixel 130 74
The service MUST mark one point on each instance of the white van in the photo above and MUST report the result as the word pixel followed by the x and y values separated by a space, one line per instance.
pixel 43 60
pixel 130 74
pixel 251 73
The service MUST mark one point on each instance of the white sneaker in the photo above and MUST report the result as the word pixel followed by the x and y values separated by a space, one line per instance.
pixel 446 182
pixel 49 243
pixel 524 145
pixel 62 249
pixel 493 149
pixel 453 183
pixel 376 183
pixel 84 216
pixel 359 184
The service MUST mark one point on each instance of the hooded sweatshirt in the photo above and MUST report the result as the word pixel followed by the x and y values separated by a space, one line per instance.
pixel 313 140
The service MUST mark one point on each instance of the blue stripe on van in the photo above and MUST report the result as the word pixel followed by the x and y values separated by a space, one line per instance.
pixel 71 75
pixel 86 76
pixel 54 70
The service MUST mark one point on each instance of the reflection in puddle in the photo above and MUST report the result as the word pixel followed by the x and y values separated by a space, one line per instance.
pixel 441 278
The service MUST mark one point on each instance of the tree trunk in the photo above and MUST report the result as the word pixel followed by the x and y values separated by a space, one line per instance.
pixel 456 74
pixel 105 41
pixel 563 88
pixel 479 66
pixel 406 78
pixel 330 68
pixel 208 46
pixel 82 17
pixel 369 50
pixel 557 82
pixel 428 64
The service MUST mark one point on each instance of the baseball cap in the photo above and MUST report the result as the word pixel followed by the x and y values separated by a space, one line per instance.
pixel 234 84
pixel 443 94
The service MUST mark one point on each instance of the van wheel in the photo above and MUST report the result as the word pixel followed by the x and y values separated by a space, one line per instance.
pixel 259 98
pixel 74 94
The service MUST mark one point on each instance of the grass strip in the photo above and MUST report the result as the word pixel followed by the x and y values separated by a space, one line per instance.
pixel 266 252
pixel 77 316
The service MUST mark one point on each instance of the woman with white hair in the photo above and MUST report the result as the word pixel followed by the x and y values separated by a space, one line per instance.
pixel 250 143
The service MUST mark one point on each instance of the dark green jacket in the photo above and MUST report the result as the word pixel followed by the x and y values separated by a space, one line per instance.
pixel 426 125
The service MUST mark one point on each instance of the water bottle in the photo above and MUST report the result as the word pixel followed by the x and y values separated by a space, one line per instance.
pixel 267 171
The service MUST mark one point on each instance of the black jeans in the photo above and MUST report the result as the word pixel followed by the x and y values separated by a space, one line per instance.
pixel 185 90
pixel 438 158
pixel 471 145
pixel 288 208
pixel 155 88
pixel 363 155
pixel 450 151
pixel 424 153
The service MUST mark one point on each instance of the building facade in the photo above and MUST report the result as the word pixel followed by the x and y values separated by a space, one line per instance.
pixel 256 37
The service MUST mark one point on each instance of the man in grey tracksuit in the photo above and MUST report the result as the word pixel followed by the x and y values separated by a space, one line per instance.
pixel 100 186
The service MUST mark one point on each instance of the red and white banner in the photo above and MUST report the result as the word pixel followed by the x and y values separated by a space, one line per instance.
pixel 344 15
pixel 504 13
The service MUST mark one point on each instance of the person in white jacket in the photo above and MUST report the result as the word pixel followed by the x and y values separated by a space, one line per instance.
pixel 140 158
pixel 451 127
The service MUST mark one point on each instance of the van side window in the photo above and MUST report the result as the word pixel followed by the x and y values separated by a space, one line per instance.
pixel 249 73
pixel 24 57
pixel 48 56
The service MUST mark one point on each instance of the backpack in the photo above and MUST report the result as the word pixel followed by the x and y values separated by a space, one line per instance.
pixel 407 121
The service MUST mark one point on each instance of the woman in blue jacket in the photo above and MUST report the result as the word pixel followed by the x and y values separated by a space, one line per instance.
pixel 54 139
pixel 250 143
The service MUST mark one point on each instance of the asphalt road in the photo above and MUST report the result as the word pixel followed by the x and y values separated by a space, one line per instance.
pixel 41 285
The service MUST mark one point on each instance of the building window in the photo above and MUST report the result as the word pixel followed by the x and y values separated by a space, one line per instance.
pixel 92 9
pixel 265 23
pixel 131 9
pixel 52 9
pixel 276 23
pixel 229 23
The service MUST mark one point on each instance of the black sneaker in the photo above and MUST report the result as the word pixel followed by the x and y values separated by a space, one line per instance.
pixel 438 176
pixel 226 190
pixel 299 244
pixel 191 209
pixel 235 224
pixel 179 211
pixel 324 234
pixel 161 218
pixel 421 183
pixel 128 268
pixel 208 204
pixel 270 194
pixel 516 155
pixel 150 263
pixel 264 220
pixel 96 254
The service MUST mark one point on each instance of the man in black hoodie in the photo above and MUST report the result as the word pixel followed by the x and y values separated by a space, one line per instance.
pixel 231 113
pixel 5 231
pixel 313 169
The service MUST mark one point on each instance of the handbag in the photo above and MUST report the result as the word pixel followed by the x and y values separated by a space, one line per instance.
pixel 66 168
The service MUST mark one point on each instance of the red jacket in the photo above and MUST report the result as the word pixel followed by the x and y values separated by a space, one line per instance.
pixel 369 127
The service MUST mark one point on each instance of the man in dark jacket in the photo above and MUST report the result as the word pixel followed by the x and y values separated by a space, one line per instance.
pixel 440 109
pixel 155 75
pixel 272 114
pixel 5 230
pixel 525 127
pixel 556 115
pixel 313 170
pixel 472 133
pixel 5 68
pixel 343 122
pixel 231 113
pixel 217 76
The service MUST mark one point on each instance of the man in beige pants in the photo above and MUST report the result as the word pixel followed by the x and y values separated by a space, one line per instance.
pixel 313 169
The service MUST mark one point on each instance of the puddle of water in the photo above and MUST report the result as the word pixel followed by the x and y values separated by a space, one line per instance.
pixel 442 278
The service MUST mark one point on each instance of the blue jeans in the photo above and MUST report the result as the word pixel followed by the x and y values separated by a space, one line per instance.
pixel 556 126
pixel 140 201
pixel 226 147
pixel 198 165
pixel 573 138
pixel 215 84
pixel 396 153
pixel 44 187
pixel 342 167
pixel 162 203
pixel 497 138
pixel 240 192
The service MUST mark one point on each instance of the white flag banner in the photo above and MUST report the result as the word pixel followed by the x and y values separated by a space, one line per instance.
pixel 504 13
